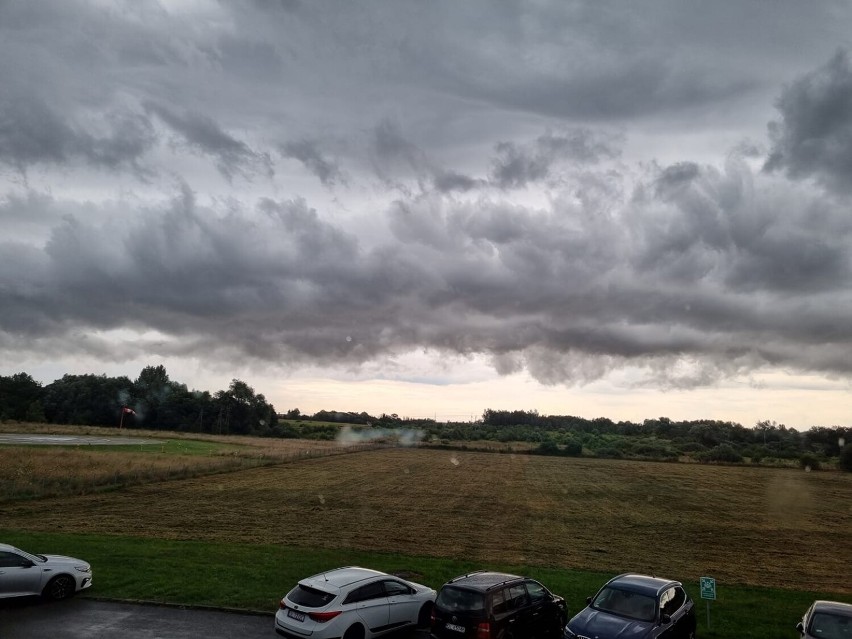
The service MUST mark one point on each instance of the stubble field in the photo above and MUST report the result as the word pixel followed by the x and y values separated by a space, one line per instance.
pixel 759 526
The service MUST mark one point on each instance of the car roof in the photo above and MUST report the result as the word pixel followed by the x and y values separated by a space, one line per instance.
pixel 8 548
pixel 644 584
pixel 340 578
pixel 834 607
pixel 483 580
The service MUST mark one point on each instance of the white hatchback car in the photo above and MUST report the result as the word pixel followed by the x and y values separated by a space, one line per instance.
pixel 353 603
pixel 52 576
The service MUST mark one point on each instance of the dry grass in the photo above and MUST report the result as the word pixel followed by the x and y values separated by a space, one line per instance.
pixel 264 443
pixel 39 471
pixel 760 526
pixel 487 445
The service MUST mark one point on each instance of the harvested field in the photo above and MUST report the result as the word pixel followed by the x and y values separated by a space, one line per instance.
pixel 38 471
pixel 769 527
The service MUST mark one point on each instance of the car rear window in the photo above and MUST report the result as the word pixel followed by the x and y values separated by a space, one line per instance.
pixel 309 597
pixel 460 600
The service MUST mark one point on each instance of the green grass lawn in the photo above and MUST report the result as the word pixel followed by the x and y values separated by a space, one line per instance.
pixel 164 447
pixel 255 577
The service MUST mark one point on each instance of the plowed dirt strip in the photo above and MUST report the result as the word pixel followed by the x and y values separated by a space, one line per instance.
pixel 778 527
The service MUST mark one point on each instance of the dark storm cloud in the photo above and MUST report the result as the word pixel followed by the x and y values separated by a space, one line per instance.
pixel 719 269
pixel 394 156
pixel 448 181
pixel 308 153
pixel 201 132
pixel 814 136
pixel 699 216
pixel 32 133
pixel 515 166
pixel 550 192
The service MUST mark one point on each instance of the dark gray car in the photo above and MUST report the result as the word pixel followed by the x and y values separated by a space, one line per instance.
pixel 636 606
pixel 826 620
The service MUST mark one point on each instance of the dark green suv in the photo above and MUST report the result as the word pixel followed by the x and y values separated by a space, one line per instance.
pixel 496 605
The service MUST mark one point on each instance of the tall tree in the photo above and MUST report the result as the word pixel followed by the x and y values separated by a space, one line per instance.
pixel 20 398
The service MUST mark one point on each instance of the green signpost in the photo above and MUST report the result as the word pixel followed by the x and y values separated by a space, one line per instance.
pixel 707 585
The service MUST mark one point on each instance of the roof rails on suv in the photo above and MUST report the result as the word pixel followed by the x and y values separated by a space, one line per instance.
pixel 486 604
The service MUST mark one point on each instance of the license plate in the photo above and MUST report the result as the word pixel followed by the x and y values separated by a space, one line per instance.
pixel 298 616
pixel 452 626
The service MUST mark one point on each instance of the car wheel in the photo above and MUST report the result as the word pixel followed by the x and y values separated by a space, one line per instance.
pixel 425 616
pixel 60 587
pixel 354 632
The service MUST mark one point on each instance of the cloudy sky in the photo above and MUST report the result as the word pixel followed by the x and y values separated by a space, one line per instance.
pixel 430 208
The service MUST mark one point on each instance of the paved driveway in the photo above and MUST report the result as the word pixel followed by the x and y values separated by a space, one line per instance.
pixel 81 618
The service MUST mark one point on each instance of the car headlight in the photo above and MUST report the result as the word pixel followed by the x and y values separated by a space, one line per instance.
pixel 83 568
pixel 567 634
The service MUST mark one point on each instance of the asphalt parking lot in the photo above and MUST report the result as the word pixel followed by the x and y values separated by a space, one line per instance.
pixel 82 618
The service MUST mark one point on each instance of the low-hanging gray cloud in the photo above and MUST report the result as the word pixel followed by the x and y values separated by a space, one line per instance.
pixel 33 133
pixel 515 166
pixel 814 135
pixel 541 185
pixel 201 132
pixel 309 154
pixel 715 266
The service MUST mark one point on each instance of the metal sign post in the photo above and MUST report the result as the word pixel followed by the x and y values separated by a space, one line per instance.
pixel 707 586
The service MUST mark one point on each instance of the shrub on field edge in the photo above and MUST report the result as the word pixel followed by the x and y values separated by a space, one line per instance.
pixel 609 453
pixel 720 453
pixel 574 449
pixel 809 461
pixel 845 461
pixel 548 447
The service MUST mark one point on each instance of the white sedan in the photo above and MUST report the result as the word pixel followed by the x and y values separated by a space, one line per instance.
pixel 52 576
pixel 353 603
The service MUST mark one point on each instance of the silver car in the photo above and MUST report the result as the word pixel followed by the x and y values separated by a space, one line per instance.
pixel 52 576
pixel 353 603
pixel 827 620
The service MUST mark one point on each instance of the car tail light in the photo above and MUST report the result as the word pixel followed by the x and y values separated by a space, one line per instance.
pixel 282 605
pixel 483 630
pixel 322 617
pixel 432 616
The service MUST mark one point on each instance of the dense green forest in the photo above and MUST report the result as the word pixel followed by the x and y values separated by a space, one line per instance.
pixel 154 401
pixel 151 401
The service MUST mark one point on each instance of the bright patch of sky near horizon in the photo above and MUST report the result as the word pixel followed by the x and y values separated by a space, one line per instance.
pixel 595 209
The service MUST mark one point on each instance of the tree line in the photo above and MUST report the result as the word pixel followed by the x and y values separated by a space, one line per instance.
pixel 667 439
pixel 151 401
pixel 159 403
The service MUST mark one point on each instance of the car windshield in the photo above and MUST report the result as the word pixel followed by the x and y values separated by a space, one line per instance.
pixel 626 604
pixel 30 556
pixel 310 597
pixel 830 626
pixel 460 600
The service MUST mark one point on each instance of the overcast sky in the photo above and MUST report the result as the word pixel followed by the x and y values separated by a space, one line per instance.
pixel 617 209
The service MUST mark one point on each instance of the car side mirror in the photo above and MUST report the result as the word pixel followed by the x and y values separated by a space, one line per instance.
pixel 664 619
pixel 800 627
pixel 588 600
